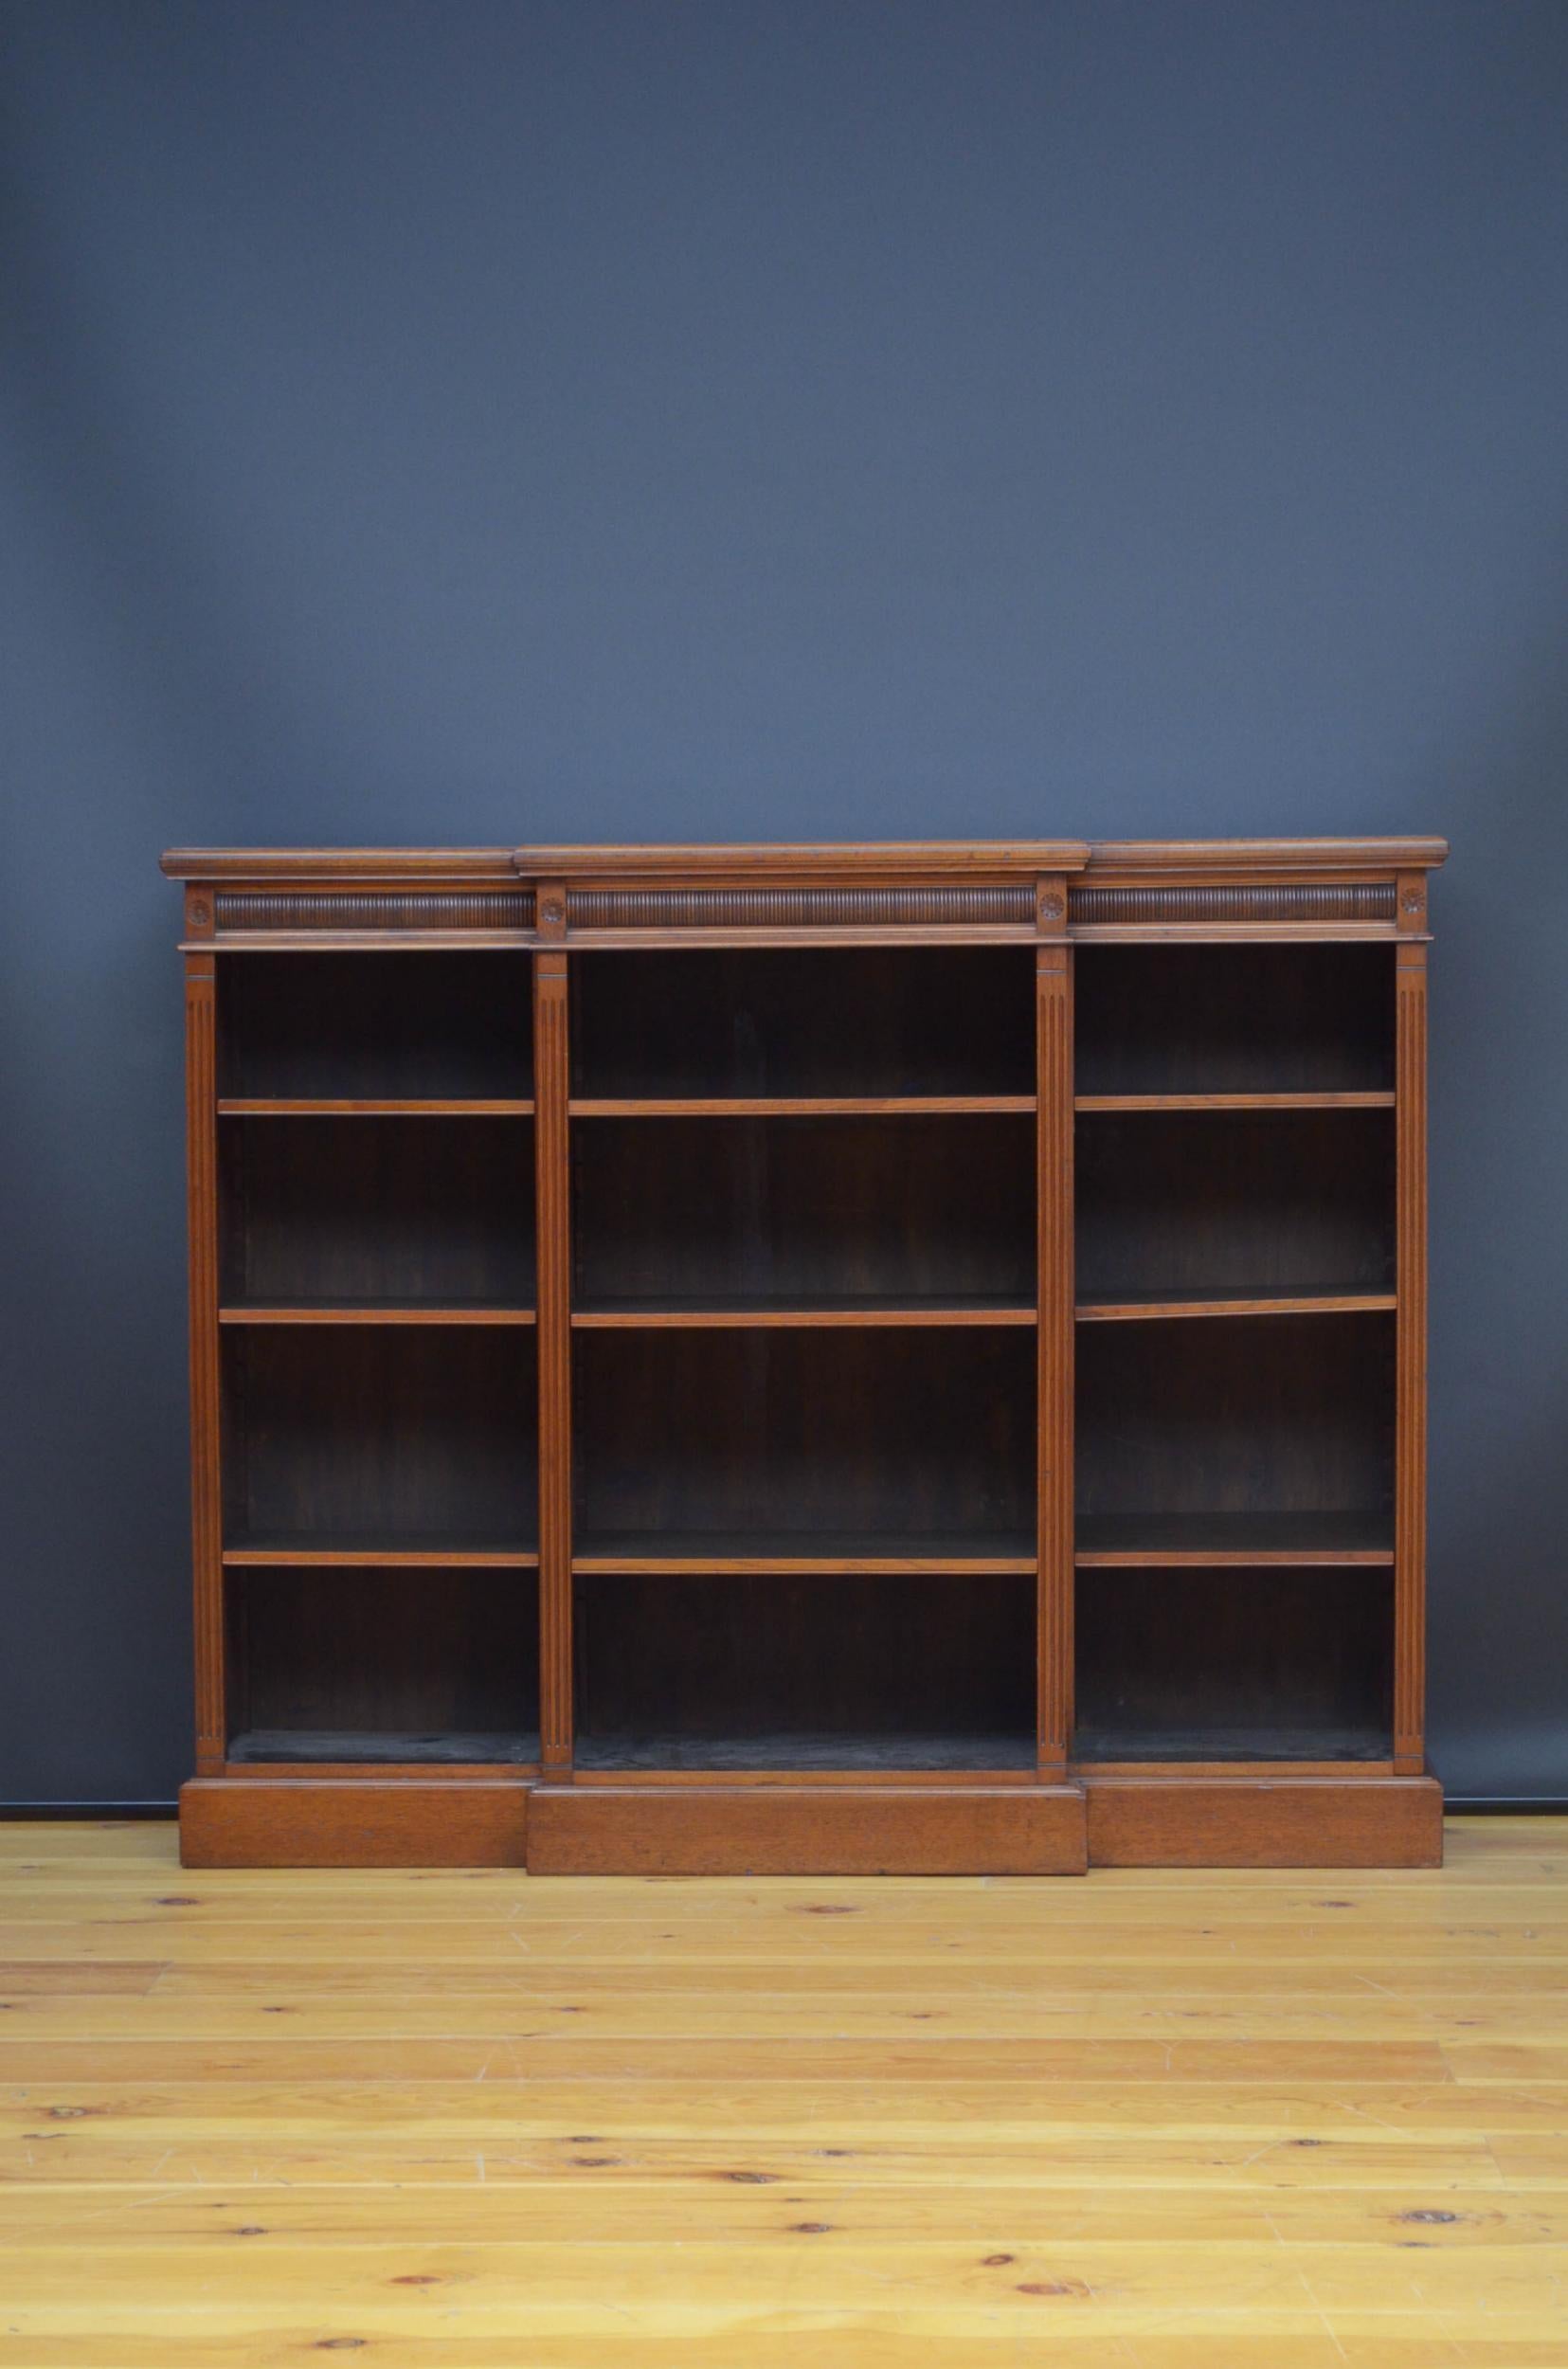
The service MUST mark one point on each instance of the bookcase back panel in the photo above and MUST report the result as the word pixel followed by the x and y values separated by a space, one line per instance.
pixel 713 1210
pixel 830 1671
pixel 426 1210
pixel 1179 1202
pixel 346 1026
pixel 1235 1664
pixel 920 1431
pixel 818 1021
pixel 393 1433
pixel 1288 1018
pixel 1237 1414
pixel 383 1663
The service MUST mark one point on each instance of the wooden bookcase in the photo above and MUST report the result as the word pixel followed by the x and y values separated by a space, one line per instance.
pixel 809 1358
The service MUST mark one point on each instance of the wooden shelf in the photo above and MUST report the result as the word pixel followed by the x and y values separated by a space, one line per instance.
pixel 373 1312
pixel 455 1550
pixel 294 1107
pixel 1368 1101
pixel 409 1748
pixel 1142 1307
pixel 793 1106
pixel 827 1552
pixel 1256 1746
pixel 822 1752
pixel 696 1315
pixel 1238 1538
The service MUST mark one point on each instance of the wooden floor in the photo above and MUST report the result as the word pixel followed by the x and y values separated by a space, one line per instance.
pixel 1146 2121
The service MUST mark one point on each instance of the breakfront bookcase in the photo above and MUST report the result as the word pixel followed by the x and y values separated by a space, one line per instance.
pixel 809 1358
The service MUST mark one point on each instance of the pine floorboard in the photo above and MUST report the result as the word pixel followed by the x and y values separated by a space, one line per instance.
pixel 1152 2119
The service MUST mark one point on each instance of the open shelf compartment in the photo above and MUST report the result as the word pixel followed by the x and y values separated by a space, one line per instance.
pixel 833 1215
pixel 1235 1665
pixel 1183 1208
pixel 416 1436
pixel 863 1438
pixel 426 1025
pixel 409 1213
pixel 831 1671
pixel 382 1665
pixel 1241 1432
pixel 721 1024
pixel 1234 1019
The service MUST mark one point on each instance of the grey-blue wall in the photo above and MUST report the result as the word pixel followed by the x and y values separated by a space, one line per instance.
pixel 442 420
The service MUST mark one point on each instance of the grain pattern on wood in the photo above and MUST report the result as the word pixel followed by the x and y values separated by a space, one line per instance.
pixel 744 864
pixel 1306 1536
pixel 748 861
pixel 457 1550
pixel 405 864
pixel 375 1314
pixel 795 1106
pixel 1377 1099
pixel 1223 856
pixel 1243 2121
pixel 424 1106
pixel 1410 1502
pixel 1153 1306
pixel 1271 1821
pixel 1054 1372
pixel 804 1319
pixel 833 1553
pixel 807 1831
pixel 553 1199
pixel 353 1822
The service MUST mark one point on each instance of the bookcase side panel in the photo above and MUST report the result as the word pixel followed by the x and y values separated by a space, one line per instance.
pixel 205 1449
pixel 1054 1304
pixel 552 1201
pixel 1409 1513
